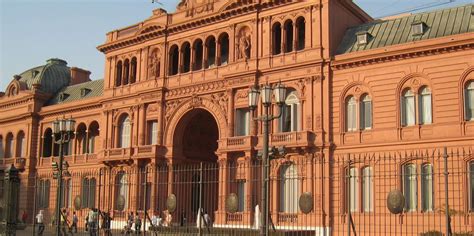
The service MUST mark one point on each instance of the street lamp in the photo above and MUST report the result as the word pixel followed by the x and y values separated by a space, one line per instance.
pixel 62 132
pixel 279 92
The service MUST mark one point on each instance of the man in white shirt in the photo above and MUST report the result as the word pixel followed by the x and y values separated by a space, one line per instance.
pixel 39 220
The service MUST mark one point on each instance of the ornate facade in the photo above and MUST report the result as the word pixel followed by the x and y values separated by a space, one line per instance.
pixel 175 91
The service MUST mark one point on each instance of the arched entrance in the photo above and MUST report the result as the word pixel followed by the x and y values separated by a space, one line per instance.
pixel 195 141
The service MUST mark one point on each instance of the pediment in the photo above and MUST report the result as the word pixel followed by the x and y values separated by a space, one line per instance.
pixel 149 28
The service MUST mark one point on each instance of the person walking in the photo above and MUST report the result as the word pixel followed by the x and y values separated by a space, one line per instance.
pixel 75 219
pixel 138 223
pixel 92 222
pixel 40 221
pixel 63 221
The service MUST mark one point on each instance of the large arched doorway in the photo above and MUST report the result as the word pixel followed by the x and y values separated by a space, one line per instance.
pixel 195 142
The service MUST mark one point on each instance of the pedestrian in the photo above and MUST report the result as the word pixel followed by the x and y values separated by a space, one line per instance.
pixel 182 221
pixel 24 217
pixel 39 220
pixel 87 222
pixel 75 219
pixel 63 222
pixel 93 215
pixel 106 219
pixel 207 219
pixel 138 223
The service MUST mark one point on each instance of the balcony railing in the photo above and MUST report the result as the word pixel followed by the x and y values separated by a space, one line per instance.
pixel 18 162
pixel 234 217
pixel 287 217
pixel 238 143
pixel 148 151
pixel 290 139
pixel 119 153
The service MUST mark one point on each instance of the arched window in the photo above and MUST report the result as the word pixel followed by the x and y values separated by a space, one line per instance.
pixel 118 74
pixel 133 74
pixel 47 143
pixel 471 185
pixel 425 106
pixel 300 33
pixel 2 149
pixel 427 188
pixel 186 52
pixel 276 36
pixel 9 147
pixel 93 134
pixel 125 127
pixel 289 189
pixel 121 190
pixel 408 108
pixel 20 145
pixel 224 49
pixel 126 72
pixel 288 36
pixel 290 118
pixel 469 100
pixel 198 54
pixel 88 192
pixel 210 52
pixel 351 114
pixel 410 187
pixel 354 189
pixel 365 112
pixel 174 60
pixel 367 189
pixel 43 191
pixel 81 136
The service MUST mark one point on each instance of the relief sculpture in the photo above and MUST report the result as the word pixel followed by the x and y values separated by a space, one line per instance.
pixel 154 63
pixel 244 44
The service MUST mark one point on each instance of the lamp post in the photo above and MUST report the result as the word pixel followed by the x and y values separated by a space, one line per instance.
pixel 279 92
pixel 62 132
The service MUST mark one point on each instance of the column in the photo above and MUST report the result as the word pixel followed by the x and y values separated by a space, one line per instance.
pixel 295 39
pixel 223 172
pixel 142 125
pixel 230 113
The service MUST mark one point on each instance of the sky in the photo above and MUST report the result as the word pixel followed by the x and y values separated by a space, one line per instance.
pixel 32 31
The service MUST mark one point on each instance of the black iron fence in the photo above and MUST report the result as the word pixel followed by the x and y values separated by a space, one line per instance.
pixel 340 194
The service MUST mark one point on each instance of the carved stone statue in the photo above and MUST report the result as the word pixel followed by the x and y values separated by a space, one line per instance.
pixel 154 63
pixel 244 44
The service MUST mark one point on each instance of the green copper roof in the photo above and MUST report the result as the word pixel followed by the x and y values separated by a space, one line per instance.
pixel 51 77
pixel 79 91
pixel 383 33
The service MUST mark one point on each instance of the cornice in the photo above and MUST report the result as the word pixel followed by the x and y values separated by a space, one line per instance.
pixel 68 111
pixel 405 51
pixel 185 26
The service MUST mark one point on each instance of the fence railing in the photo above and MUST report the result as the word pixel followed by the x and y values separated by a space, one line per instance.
pixel 343 194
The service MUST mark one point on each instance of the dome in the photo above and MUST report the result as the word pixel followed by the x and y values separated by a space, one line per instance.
pixel 50 78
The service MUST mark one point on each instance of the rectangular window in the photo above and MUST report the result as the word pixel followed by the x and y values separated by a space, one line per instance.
pixel 427 187
pixel 285 119
pixel 1 148
pixel 242 122
pixel 410 187
pixel 425 109
pixel 366 115
pixel 471 186
pixel 152 132
pixel 351 116
pixel 368 190
pixel 91 144
pixel 354 189
pixel 408 111
pixel 241 194
pixel 469 97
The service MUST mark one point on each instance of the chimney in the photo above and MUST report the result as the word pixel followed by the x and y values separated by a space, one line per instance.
pixel 79 76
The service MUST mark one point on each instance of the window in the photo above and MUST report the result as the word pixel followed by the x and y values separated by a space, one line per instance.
pixel 47 143
pixel 365 112
pixel 241 195
pixel 418 28
pixel 124 132
pixel 289 121
pixel 224 44
pixel 133 70
pixel 43 193
pixel 198 54
pixel 288 36
pixel 362 38
pixel 242 122
pixel 2 152
pixel 9 147
pixel 186 52
pixel 289 189
pixel 152 132
pixel 471 185
pixel 91 143
pixel 121 190
pixel 427 187
pixel 367 189
pixel 300 33
pixel 211 52
pixel 408 108
pixel 118 74
pixel 425 105
pixel 469 100
pixel 276 39
pixel 88 192
pixel 174 60
pixel 351 114
pixel 126 72
pixel 410 190
pixel 66 200
pixel 354 189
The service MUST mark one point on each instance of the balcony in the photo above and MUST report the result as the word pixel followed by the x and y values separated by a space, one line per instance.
pixel 240 143
pixel 287 218
pixel 290 139
pixel 119 153
pixel 18 162
pixel 149 151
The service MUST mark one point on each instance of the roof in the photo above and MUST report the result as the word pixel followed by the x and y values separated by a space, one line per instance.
pixel 383 33
pixel 72 93
pixel 51 77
